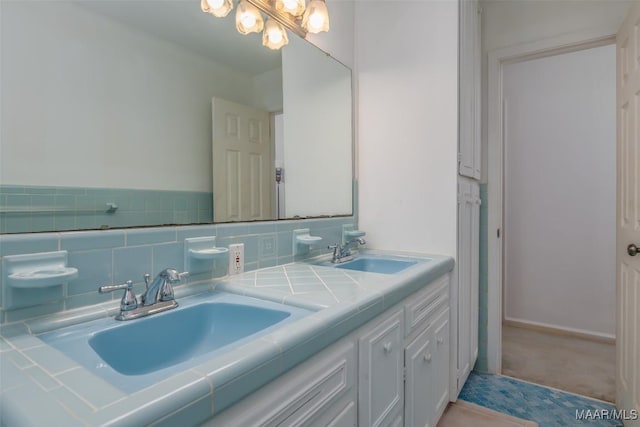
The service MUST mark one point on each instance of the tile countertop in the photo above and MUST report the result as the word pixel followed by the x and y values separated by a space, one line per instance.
pixel 41 386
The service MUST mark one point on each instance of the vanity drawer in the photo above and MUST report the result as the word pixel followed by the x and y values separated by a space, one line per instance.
pixel 312 393
pixel 426 304
pixel 309 402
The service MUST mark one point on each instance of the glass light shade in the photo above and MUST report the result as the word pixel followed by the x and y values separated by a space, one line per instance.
pixel 316 17
pixel 293 7
pixel 218 8
pixel 274 35
pixel 248 18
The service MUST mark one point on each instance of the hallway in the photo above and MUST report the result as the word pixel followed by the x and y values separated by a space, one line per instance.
pixel 567 363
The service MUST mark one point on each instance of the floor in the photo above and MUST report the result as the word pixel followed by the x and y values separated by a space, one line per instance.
pixel 545 406
pixel 463 414
pixel 567 363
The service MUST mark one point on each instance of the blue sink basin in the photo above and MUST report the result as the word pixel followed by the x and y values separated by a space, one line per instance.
pixel 155 343
pixel 377 265
pixel 137 353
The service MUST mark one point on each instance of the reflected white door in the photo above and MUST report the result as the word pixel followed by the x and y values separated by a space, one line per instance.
pixel 242 162
pixel 628 230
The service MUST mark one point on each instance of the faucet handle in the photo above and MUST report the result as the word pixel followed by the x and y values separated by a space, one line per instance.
pixel 166 292
pixel 147 279
pixel 129 300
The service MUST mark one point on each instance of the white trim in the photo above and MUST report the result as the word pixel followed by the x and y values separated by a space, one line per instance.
pixel 495 147
pixel 561 330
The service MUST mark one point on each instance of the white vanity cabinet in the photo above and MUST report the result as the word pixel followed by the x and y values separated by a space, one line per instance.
pixel 391 372
pixel 319 392
pixel 381 364
pixel 427 356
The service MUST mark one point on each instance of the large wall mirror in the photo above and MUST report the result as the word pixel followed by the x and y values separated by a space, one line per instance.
pixel 138 113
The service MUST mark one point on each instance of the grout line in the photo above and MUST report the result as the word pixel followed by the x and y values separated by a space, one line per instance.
pixel 288 281
pixel 325 285
pixel 93 408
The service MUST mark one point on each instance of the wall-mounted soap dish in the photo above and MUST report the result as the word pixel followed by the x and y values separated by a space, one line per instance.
pixel 349 233
pixel 201 255
pixel 209 253
pixel 302 241
pixel 42 278
pixel 34 279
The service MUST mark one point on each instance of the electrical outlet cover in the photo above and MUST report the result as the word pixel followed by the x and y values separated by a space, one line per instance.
pixel 236 258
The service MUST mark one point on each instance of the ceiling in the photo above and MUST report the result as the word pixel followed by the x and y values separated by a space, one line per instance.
pixel 182 22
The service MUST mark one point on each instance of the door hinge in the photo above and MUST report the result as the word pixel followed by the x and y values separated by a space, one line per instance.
pixel 498 233
pixel 404 374
pixel 459 157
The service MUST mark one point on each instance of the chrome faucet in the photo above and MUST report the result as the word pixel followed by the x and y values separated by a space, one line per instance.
pixel 158 296
pixel 161 288
pixel 342 253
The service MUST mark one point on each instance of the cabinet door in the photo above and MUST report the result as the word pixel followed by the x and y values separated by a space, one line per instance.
pixel 469 97
pixel 381 388
pixel 464 281
pixel 346 418
pixel 419 398
pixel 475 272
pixel 440 365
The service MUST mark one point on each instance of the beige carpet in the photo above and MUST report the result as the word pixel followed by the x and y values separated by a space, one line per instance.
pixel 573 364
pixel 465 414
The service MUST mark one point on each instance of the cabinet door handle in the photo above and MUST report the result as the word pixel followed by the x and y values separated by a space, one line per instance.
pixel 387 347
pixel 440 340
pixel 427 357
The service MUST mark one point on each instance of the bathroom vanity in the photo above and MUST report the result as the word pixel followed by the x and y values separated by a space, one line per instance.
pixel 365 349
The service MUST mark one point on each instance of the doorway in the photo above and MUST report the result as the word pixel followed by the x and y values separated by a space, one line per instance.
pixel 560 221
pixel 498 64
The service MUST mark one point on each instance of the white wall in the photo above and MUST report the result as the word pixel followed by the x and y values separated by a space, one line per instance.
pixel 510 23
pixel 317 130
pixel 408 123
pixel 560 187
pixel 119 100
pixel 339 41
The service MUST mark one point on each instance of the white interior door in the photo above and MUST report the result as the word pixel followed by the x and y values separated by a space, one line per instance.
pixel 242 162
pixel 628 230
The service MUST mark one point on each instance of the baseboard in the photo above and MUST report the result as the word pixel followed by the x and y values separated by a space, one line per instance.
pixel 557 330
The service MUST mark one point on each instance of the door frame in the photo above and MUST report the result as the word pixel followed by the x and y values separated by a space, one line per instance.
pixel 496 60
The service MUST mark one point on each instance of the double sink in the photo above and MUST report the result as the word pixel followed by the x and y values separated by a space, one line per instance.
pixel 132 355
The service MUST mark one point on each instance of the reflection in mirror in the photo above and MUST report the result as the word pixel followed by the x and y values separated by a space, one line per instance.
pixel 109 114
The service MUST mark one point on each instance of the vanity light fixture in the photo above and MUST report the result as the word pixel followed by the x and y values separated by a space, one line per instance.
pixel 316 17
pixel 289 14
pixel 274 35
pixel 292 7
pixel 218 8
pixel 248 18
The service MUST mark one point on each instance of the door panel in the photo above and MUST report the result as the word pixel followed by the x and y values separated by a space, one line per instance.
pixel 242 162
pixel 628 229
pixel 419 385
pixel 381 365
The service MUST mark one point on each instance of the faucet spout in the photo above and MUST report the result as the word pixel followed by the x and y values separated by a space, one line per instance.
pixel 161 289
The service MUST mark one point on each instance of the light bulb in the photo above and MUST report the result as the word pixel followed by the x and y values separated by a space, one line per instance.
pixel 248 20
pixel 215 4
pixel 316 21
pixel 274 35
pixel 219 8
pixel 290 5
pixel 316 17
